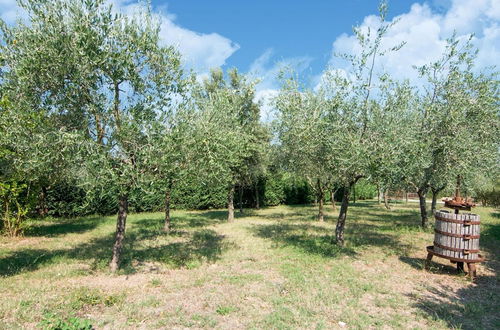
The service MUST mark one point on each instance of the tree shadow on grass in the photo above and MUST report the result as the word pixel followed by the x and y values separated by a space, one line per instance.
pixel 408 217
pixel 53 228
pixel 366 235
pixel 292 216
pixel 308 238
pixel 196 219
pixel 180 223
pixel 297 229
pixel 433 266
pixel 473 306
pixel 202 246
pixel 192 219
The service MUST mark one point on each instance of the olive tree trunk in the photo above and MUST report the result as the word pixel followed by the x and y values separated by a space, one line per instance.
pixel 332 198
pixel 321 202
pixel 339 229
pixel 321 214
pixel 230 204
pixel 240 191
pixel 120 232
pixel 435 192
pixel 43 209
pixel 386 199
pixel 423 206
pixel 167 223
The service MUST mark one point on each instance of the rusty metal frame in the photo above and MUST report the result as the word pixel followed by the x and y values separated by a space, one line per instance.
pixel 430 249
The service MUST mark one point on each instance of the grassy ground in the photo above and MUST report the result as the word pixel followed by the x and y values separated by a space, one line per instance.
pixel 272 268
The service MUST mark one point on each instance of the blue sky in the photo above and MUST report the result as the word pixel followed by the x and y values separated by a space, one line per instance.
pixel 290 28
pixel 260 37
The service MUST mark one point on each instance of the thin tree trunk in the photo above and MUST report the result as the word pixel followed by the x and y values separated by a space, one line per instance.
pixel 240 191
pixel 406 196
pixel 423 207
pixel 321 201
pixel 435 193
pixel 332 198
pixel 321 215
pixel 257 197
pixel 230 204
pixel 386 199
pixel 43 210
pixel 339 229
pixel 166 225
pixel 120 232
pixel 434 201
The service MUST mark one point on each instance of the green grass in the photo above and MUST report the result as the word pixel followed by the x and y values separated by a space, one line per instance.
pixel 271 268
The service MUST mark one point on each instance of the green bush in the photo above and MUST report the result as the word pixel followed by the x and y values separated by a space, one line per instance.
pixel 365 190
pixel 297 190
pixel 274 192
pixel 66 199
pixel 14 207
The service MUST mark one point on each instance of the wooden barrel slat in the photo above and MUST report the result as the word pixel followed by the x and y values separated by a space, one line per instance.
pixel 450 232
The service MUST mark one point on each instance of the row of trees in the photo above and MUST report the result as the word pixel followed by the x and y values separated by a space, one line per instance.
pixel 360 123
pixel 94 99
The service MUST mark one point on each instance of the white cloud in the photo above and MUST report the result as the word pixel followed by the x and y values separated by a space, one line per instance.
pixel 425 34
pixel 267 72
pixel 201 51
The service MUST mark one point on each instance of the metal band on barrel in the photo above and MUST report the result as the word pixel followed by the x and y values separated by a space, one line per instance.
pixel 464 236
pixel 464 251
pixel 462 222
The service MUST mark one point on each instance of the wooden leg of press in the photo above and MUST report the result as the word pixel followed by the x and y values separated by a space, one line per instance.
pixel 428 260
pixel 472 270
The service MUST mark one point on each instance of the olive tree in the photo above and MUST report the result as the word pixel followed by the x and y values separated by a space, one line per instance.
pixel 391 124
pixel 168 152
pixel 355 132
pixel 102 75
pixel 303 128
pixel 233 140
pixel 456 128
